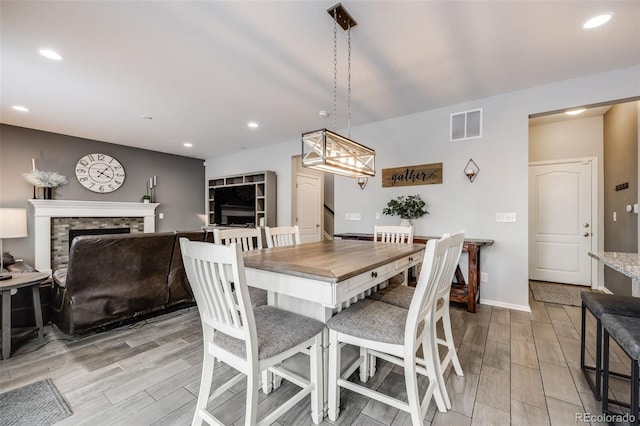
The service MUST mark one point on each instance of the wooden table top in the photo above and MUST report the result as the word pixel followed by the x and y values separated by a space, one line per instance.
pixel 23 279
pixel 419 238
pixel 329 260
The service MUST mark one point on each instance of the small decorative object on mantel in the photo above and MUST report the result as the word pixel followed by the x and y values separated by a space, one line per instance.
pixel 44 182
pixel 146 198
pixel 471 170
pixel 407 207
pixel 151 188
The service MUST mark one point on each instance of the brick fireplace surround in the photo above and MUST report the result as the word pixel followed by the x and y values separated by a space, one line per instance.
pixel 63 214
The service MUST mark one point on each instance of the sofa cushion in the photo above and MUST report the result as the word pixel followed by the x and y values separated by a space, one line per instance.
pixel 179 288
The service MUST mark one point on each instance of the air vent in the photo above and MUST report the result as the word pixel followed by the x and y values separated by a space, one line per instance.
pixel 466 125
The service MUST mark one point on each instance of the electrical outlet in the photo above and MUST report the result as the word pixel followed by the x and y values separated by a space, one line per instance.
pixel 615 216
pixel 160 215
pixel 484 277
pixel 377 215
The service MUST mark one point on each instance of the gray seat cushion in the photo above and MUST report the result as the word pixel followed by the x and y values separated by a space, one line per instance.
pixel 258 296
pixel 277 332
pixel 60 277
pixel 600 303
pixel 626 331
pixel 372 320
pixel 400 296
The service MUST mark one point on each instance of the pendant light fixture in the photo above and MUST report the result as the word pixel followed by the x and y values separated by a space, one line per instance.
pixel 326 150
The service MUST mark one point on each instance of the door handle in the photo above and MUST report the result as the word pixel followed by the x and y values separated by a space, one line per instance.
pixel 586 234
pixel 586 225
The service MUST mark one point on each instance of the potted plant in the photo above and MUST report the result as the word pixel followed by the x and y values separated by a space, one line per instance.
pixel 146 198
pixel 46 180
pixel 407 207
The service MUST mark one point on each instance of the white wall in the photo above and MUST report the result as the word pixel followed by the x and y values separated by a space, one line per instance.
pixel 501 186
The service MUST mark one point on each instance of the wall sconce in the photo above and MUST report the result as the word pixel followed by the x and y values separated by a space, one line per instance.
pixel 471 170
pixel 362 181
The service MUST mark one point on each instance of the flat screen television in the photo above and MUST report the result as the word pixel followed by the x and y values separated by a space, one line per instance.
pixel 235 205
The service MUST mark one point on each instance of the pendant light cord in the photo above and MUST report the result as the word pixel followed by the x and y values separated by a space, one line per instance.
pixel 335 69
pixel 349 80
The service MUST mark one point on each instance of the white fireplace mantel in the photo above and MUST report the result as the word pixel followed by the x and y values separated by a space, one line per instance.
pixel 44 210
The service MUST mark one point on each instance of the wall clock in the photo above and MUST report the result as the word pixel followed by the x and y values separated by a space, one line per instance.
pixel 100 173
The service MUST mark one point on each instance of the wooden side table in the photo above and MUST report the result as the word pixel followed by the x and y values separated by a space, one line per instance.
pixel 26 279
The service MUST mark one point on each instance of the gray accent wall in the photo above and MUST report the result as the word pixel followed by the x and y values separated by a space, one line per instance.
pixel 180 180
pixel 620 166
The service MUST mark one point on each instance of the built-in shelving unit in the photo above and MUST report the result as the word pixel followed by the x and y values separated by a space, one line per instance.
pixel 265 190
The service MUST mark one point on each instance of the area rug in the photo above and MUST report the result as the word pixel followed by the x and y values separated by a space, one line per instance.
pixel 38 403
pixel 563 294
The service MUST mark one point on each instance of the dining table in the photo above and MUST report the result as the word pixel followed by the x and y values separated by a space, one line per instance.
pixel 321 278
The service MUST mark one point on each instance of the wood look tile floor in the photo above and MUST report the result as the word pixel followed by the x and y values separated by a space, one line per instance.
pixel 519 368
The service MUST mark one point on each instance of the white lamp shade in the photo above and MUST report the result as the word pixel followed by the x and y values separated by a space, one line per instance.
pixel 13 223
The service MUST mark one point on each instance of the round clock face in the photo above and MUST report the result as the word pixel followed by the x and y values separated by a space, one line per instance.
pixel 100 173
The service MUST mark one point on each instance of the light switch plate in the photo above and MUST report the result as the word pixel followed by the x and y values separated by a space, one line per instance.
pixel 354 216
pixel 505 216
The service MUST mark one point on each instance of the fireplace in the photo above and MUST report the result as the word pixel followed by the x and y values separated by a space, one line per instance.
pixel 52 220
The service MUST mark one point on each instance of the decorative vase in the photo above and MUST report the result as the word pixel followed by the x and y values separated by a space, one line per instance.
pixel 42 192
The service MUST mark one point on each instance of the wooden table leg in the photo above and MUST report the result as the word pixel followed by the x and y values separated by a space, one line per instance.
pixel 6 324
pixel 473 278
pixel 37 310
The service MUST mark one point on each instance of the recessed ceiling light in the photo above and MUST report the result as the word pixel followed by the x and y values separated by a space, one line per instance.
pixel 187 144
pixel 20 108
pixel 252 124
pixel 48 53
pixel 146 117
pixel 575 111
pixel 596 21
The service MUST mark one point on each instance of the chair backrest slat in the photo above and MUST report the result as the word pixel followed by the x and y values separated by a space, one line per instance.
pixel 456 241
pixel 423 301
pixel 217 277
pixel 282 236
pixel 393 234
pixel 244 237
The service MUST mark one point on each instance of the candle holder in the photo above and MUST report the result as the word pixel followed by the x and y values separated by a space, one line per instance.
pixel 471 170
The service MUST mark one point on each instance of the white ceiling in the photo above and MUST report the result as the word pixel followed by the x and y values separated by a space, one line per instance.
pixel 203 69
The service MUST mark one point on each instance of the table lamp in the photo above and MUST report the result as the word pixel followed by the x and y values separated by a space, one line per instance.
pixel 13 224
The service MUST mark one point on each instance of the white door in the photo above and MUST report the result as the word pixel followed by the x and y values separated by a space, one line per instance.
pixel 308 207
pixel 560 222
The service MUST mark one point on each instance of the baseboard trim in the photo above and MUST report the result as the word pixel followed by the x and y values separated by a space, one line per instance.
pixel 523 308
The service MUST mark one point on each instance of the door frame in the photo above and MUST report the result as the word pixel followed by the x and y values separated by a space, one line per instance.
pixel 297 169
pixel 596 271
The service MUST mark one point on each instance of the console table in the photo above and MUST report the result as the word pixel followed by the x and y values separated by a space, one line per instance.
pixel 461 291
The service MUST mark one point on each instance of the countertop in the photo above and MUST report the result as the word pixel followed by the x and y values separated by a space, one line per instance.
pixel 625 263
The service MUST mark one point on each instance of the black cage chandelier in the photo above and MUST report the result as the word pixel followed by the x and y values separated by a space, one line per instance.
pixel 328 151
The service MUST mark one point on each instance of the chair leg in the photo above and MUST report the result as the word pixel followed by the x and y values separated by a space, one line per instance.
pixel 605 383
pixel 413 398
pixel 316 376
pixel 448 335
pixel 334 374
pixel 434 373
pixel 599 393
pixel 635 405
pixel 206 379
pixel 253 386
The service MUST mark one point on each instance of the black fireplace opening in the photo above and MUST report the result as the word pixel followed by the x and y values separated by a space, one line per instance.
pixel 95 231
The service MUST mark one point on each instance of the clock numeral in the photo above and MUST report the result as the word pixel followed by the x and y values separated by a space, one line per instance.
pixel 85 163
pixel 120 174
pixel 101 188
pixel 111 187
pixel 81 171
pixel 83 179
pixel 92 184
pixel 118 182
pixel 100 157
pixel 117 167
pixel 90 157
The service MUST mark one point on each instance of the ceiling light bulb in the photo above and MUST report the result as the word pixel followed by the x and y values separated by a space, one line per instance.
pixel 146 117
pixel 20 108
pixel 575 111
pixel 187 144
pixel 253 125
pixel 597 21
pixel 48 53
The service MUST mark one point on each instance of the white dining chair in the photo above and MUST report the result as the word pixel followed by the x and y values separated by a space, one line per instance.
pixel 402 296
pixel 393 234
pixel 282 236
pixel 250 340
pixel 393 334
pixel 248 239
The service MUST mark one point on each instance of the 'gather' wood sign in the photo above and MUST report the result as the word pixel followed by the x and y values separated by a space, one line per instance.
pixel 424 174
